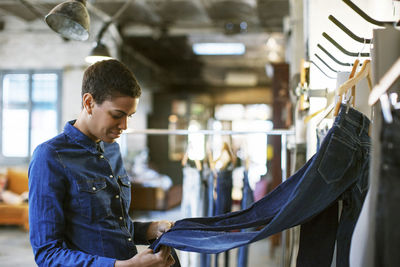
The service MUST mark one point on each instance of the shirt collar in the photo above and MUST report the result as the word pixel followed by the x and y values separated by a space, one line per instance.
pixel 80 138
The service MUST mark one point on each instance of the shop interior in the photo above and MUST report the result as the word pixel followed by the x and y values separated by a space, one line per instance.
pixel 248 88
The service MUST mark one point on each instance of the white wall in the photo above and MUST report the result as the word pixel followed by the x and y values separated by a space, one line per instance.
pixel 318 22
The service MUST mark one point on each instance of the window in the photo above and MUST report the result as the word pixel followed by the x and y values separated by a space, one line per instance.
pixel 30 112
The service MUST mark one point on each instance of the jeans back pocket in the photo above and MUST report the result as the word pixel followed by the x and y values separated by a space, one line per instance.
pixel 338 157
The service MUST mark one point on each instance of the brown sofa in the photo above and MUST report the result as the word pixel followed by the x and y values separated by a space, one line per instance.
pixel 15 214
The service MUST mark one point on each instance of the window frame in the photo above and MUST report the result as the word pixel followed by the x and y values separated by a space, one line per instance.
pixel 10 161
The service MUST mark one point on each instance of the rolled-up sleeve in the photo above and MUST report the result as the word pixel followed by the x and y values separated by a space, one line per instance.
pixel 47 191
pixel 140 230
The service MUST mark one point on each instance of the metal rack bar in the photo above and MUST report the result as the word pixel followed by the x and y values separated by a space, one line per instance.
pixel 338 46
pixel 282 132
pixel 326 64
pixel 316 65
pixel 368 18
pixel 348 32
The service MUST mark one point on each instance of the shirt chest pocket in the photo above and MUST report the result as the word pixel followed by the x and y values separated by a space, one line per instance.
pixel 94 199
pixel 125 186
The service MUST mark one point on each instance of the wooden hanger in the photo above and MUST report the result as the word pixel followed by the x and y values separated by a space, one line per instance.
pixel 342 91
pixel 365 72
pixel 385 83
pixel 338 100
pixel 225 157
pixel 309 117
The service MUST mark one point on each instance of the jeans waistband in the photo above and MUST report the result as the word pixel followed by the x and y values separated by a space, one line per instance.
pixel 353 123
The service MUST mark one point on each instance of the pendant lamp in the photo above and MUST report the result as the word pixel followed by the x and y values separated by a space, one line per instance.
pixel 70 19
pixel 98 53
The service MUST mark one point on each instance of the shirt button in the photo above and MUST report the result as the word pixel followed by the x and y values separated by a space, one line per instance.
pixel 117 196
pixel 101 156
pixel 120 218
pixel 94 188
pixel 111 176
pixel 129 239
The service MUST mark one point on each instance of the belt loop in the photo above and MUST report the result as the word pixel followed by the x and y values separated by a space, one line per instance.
pixel 362 126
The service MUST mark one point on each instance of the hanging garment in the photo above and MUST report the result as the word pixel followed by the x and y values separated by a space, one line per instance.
pixel 223 202
pixel 323 224
pixel 387 233
pixel 340 165
pixel 247 200
pixel 191 206
pixel 208 207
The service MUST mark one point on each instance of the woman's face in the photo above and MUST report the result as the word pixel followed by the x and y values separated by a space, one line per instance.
pixel 110 118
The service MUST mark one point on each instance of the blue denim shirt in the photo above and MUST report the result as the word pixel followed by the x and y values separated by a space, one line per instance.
pixel 79 199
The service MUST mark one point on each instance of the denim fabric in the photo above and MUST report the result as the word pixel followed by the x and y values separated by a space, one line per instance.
pixel 340 165
pixel 223 203
pixel 324 224
pixel 205 259
pixel 78 203
pixel 387 233
pixel 247 200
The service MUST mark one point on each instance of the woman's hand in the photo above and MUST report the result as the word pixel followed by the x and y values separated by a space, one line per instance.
pixel 157 228
pixel 148 258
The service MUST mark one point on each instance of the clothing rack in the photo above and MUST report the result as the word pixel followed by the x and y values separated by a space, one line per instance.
pixel 355 37
pixel 206 132
pixel 284 164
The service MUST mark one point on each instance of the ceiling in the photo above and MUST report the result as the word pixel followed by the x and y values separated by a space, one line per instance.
pixel 161 33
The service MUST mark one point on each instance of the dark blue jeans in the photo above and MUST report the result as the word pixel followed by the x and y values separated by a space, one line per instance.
pixel 387 232
pixel 247 200
pixel 223 203
pixel 341 165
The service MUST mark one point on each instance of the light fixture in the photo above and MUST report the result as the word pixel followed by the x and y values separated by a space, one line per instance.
pixel 219 48
pixel 98 53
pixel 70 19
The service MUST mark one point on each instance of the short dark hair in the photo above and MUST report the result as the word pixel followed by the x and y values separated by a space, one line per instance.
pixel 109 78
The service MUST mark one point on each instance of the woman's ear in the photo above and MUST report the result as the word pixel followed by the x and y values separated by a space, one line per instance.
pixel 88 103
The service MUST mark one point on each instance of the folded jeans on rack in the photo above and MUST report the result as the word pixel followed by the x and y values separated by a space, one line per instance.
pixel 339 166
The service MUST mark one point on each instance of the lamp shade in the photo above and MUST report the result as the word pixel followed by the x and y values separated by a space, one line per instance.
pixel 98 53
pixel 70 19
